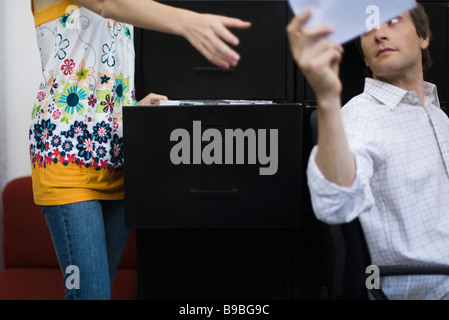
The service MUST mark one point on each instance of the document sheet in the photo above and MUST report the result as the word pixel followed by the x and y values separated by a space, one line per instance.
pixel 351 18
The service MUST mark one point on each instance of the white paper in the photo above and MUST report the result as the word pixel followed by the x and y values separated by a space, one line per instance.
pixel 351 18
pixel 210 102
pixel 178 103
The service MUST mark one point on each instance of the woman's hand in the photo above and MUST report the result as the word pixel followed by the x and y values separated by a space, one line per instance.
pixel 152 99
pixel 209 34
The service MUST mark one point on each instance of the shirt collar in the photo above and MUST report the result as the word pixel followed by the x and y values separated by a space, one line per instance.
pixel 391 95
pixel 431 94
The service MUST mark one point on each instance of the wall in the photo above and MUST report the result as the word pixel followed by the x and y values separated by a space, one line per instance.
pixel 19 81
pixel 22 77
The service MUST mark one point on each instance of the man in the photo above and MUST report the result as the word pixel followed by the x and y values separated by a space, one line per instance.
pixel 384 156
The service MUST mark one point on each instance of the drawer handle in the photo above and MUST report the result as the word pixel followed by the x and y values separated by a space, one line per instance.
pixel 213 192
pixel 213 70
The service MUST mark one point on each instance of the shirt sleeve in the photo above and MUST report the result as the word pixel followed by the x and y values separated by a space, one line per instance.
pixel 335 204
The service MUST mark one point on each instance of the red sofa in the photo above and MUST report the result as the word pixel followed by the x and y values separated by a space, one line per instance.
pixel 31 269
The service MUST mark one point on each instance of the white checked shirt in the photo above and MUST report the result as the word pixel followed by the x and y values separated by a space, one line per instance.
pixel 401 190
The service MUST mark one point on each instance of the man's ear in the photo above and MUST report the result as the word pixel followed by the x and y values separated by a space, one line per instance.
pixel 425 43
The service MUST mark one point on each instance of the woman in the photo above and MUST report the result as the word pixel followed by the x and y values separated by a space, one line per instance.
pixel 76 136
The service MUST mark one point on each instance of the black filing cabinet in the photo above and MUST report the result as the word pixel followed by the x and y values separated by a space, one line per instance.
pixel 235 262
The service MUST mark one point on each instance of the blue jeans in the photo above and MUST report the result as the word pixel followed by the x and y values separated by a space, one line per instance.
pixel 89 238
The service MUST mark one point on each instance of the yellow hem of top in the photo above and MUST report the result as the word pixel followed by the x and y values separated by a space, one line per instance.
pixel 58 184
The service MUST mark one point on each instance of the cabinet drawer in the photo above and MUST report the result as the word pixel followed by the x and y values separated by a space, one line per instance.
pixel 169 65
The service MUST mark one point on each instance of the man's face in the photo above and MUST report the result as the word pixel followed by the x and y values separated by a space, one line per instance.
pixel 394 49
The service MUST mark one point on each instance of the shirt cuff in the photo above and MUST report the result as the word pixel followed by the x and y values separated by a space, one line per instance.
pixel 333 203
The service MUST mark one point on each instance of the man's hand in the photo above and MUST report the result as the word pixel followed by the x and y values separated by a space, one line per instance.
pixel 317 57
pixel 319 61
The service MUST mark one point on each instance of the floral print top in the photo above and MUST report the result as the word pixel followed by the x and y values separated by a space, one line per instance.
pixel 76 134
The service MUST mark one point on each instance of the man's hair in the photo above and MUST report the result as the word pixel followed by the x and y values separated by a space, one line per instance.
pixel 422 26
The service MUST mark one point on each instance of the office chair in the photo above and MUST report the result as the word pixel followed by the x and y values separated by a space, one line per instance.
pixel 348 257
